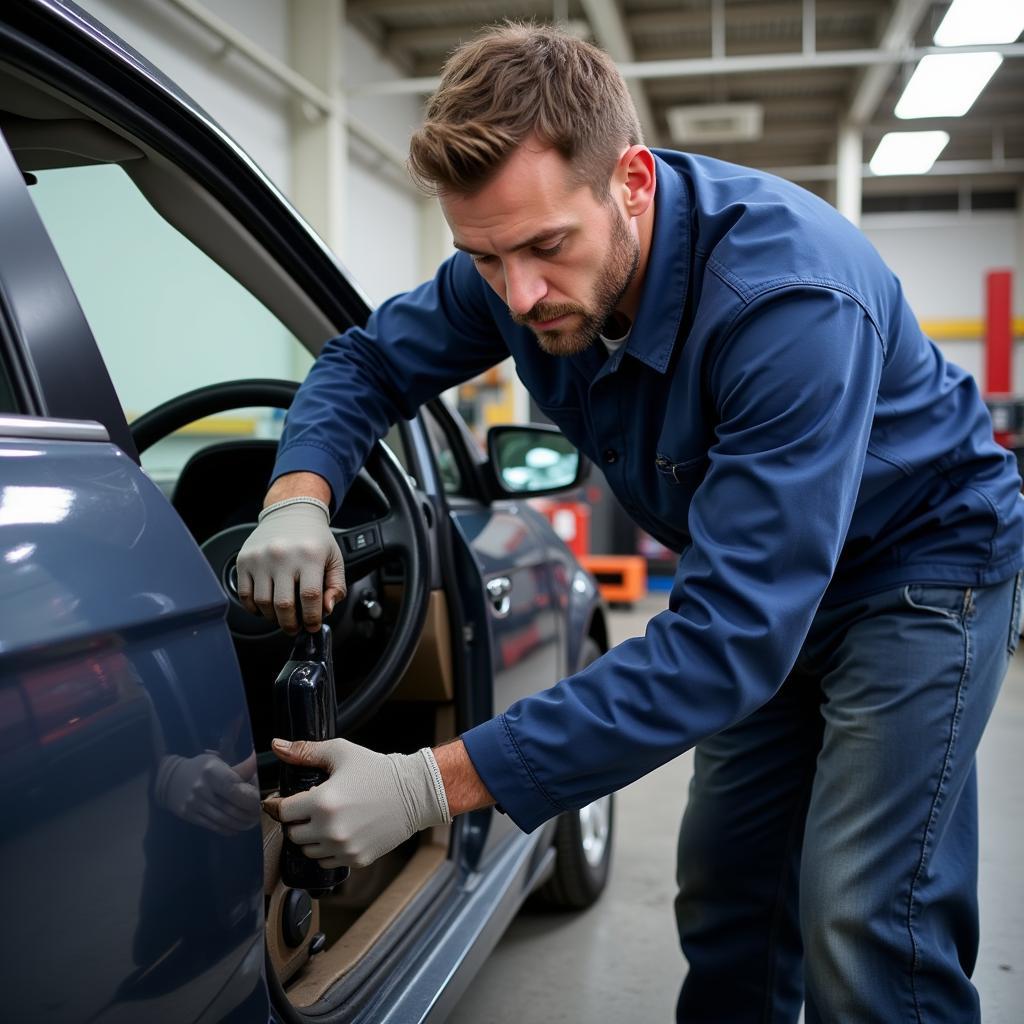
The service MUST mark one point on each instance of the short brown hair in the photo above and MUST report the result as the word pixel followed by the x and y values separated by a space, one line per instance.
pixel 516 81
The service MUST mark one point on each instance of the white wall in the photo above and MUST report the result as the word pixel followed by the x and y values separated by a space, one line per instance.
pixel 252 108
pixel 942 259
pixel 382 245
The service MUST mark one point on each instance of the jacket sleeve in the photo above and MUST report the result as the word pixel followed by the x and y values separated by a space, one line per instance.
pixel 413 347
pixel 795 383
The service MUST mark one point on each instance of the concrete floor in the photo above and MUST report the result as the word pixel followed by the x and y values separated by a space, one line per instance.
pixel 621 961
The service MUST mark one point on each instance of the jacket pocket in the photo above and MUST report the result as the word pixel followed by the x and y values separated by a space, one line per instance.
pixel 679 472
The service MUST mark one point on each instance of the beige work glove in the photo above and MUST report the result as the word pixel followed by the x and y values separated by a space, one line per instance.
pixel 370 804
pixel 292 545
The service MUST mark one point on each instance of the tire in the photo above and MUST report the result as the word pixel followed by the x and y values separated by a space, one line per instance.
pixel 582 843
pixel 580 877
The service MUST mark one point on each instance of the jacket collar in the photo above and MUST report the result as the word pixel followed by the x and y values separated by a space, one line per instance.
pixel 656 327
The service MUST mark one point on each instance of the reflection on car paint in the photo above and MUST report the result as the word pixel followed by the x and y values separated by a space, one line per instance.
pixel 34 504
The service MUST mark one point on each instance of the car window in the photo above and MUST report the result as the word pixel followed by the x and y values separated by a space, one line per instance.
pixel 396 442
pixel 444 453
pixel 165 316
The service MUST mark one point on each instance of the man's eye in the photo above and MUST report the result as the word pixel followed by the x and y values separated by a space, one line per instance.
pixel 482 260
pixel 553 251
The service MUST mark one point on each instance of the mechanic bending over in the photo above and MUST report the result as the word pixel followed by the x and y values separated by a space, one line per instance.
pixel 746 370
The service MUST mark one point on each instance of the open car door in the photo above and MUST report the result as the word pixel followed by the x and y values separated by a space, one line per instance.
pixel 128 763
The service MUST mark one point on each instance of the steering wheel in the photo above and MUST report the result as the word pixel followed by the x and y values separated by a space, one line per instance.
pixel 400 535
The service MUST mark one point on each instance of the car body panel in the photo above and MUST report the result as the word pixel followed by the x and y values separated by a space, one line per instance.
pixel 113 658
pixel 574 591
pixel 522 639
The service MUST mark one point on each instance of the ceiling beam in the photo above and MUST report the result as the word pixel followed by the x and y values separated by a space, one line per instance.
pixel 439 38
pixel 398 8
pixel 611 35
pixel 962 126
pixel 646 70
pixel 949 168
pixel 435 39
pixel 826 83
pixel 748 16
pixel 668 48
pixel 798 61
pixel 787 136
pixel 818 111
pixel 872 82
pixel 869 86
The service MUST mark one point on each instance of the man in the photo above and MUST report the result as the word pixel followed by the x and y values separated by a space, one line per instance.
pixel 744 367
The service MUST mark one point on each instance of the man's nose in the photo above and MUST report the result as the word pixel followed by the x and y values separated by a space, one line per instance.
pixel 523 289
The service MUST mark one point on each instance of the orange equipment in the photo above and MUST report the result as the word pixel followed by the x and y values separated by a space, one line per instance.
pixel 622 579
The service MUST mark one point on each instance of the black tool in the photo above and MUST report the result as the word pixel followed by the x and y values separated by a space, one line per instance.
pixel 305 709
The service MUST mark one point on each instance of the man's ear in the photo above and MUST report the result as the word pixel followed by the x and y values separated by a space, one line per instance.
pixel 635 179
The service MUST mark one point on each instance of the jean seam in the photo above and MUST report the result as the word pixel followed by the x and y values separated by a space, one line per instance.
pixel 968 609
pixel 1013 634
pixel 776 918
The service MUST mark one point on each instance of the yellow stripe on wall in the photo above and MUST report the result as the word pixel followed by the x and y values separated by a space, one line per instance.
pixel 964 328
pixel 214 426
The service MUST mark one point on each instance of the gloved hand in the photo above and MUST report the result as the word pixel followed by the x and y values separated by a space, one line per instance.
pixel 208 792
pixel 292 544
pixel 370 804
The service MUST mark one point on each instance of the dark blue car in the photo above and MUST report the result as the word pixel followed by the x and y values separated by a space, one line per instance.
pixel 141 882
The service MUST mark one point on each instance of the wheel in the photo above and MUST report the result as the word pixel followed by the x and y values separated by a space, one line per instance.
pixel 582 843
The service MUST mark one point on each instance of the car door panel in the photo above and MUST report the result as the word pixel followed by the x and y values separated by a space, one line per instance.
pixel 523 634
pixel 117 677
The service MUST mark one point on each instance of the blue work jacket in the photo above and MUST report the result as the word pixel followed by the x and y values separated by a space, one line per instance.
pixel 776 415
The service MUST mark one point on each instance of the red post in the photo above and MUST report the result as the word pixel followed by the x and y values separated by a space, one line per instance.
pixel 571 521
pixel 999 350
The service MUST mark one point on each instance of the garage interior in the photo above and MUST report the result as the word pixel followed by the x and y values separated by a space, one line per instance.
pixel 324 94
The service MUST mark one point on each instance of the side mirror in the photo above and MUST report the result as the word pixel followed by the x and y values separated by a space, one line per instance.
pixel 532 461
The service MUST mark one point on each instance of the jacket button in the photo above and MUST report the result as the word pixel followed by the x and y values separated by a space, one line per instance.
pixel 610 455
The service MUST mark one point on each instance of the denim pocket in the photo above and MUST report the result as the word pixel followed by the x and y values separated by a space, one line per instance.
pixel 941 599
pixel 1015 615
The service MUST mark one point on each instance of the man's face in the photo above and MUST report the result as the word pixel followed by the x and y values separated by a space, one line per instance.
pixel 559 258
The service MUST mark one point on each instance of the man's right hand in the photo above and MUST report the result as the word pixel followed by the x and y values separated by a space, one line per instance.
pixel 292 547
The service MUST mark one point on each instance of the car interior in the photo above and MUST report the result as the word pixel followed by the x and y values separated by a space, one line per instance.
pixel 221 487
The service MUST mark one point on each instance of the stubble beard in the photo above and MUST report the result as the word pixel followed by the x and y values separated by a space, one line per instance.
pixel 616 276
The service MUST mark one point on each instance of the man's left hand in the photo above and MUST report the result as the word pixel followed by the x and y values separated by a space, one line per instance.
pixel 370 803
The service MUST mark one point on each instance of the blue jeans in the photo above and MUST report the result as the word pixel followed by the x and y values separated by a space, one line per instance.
pixel 829 848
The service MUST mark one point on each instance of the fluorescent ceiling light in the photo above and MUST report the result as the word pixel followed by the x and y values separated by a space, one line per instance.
pixel 907 152
pixel 972 22
pixel 946 84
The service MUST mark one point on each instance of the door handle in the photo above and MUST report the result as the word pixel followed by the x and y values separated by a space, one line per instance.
pixel 499 590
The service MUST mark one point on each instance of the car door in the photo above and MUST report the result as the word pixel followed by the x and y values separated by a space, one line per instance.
pixel 130 852
pixel 513 593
